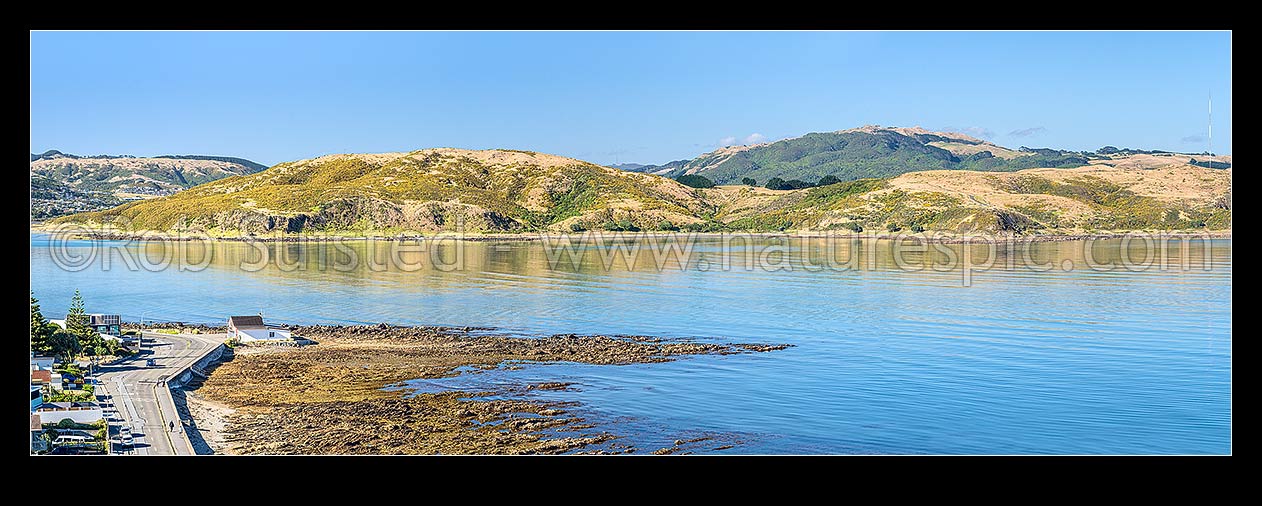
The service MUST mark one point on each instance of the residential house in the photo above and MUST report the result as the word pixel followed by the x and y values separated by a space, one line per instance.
pixel 251 328
pixel 106 324
pixel 46 380
pixel 37 398
pixel 80 412
pixel 41 363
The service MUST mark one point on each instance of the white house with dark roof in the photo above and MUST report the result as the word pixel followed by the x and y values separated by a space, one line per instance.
pixel 251 328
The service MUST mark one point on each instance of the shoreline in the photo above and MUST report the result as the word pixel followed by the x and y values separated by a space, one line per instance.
pixel 930 237
pixel 347 394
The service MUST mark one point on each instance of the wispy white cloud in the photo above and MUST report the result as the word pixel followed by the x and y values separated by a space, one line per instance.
pixel 1193 139
pixel 1027 132
pixel 733 140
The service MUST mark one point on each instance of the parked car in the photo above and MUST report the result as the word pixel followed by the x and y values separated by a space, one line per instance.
pixel 125 430
pixel 125 441
pixel 150 362
pixel 69 439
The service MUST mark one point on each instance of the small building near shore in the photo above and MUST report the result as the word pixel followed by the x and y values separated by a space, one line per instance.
pixel 251 328
pixel 106 324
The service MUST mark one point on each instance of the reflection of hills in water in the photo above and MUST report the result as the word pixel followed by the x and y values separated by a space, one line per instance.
pixel 387 261
pixel 520 285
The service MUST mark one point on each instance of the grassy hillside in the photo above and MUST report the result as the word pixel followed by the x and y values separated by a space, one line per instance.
pixel 519 191
pixel 421 191
pixel 1087 199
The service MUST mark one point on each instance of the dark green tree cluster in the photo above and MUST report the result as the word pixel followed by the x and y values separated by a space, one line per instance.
pixel 776 183
pixel 623 225
pixel 77 338
pixel 749 181
pixel 827 180
pixel 695 181
pixel 1210 164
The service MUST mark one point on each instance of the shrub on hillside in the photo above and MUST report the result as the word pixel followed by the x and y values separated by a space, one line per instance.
pixel 623 225
pixel 695 181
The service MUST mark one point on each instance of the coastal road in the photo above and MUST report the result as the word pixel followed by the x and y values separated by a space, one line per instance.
pixel 137 390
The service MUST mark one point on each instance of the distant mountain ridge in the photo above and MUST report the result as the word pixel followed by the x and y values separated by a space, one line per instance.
pixel 864 152
pixel 878 152
pixel 64 183
pixel 629 167
pixel 53 154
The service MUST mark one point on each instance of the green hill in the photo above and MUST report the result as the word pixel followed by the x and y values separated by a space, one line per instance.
pixel 866 152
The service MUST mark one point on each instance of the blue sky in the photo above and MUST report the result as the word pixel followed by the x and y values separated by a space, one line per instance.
pixel 610 97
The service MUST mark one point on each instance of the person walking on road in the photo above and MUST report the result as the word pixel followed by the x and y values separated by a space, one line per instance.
pixel 172 426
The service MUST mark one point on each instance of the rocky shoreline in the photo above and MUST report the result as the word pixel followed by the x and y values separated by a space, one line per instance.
pixel 331 397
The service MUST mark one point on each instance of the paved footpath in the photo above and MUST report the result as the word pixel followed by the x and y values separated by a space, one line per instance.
pixel 143 400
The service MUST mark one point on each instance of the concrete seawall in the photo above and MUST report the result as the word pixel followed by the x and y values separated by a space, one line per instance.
pixel 199 367
pixel 177 381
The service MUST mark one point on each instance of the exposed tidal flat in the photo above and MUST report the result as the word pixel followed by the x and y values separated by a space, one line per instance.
pixel 332 397
pixel 1054 347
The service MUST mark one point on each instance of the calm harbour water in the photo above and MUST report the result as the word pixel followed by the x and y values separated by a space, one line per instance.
pixel 885 359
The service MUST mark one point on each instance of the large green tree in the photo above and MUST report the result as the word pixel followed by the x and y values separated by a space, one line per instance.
pixel 39 327
pixel 77 323
pixel 65 345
